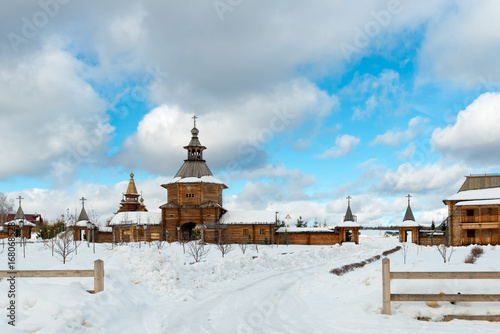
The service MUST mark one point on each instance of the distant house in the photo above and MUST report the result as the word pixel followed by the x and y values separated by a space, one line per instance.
pixel 14 223
pixel 474 211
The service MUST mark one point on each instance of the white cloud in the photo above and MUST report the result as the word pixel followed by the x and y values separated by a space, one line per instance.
pixel 235 140
pixel 468 55
pixel 343 145
pixel 395 138
pixel 52 120
pixel 474 138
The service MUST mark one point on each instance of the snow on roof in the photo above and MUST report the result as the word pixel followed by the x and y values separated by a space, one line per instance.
pixel 105 229
pixel 481 202
pixel 477 194
pixel 348 224
pixel 81 223
pixel 408 223
pixel 248 217
pixel 136 217
pixel 203 179
pixel 17 221
pixel 305 230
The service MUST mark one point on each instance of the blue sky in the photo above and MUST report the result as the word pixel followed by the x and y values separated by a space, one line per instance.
pixel 293 122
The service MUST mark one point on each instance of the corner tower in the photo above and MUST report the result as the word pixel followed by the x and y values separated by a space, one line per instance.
pixel 194 195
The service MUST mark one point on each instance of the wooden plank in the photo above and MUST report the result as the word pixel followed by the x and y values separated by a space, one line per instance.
pixel 98 276
pixel 48 273
pixel 402 297
pixel 451 317
pixel 472 317
pixel 386 286
pixel 446 275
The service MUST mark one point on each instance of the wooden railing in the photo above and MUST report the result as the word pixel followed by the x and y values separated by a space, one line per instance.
pixel 97 273
pixel 479 219
pixel 387 297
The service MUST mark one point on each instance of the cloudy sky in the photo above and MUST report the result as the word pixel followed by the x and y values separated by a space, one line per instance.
pixel 300 103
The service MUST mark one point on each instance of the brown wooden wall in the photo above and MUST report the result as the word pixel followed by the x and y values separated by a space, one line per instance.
pixel 203 192
pixel 308 238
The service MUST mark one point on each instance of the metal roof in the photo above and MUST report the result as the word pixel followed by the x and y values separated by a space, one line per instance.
pixel 408 214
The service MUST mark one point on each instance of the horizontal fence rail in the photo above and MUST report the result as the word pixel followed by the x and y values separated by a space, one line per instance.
pixel 387 297
pixel 97 273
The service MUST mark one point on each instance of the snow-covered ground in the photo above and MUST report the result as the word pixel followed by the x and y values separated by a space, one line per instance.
pixel 285 289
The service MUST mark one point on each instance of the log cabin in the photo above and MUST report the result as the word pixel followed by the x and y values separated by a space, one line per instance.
pixel 473 212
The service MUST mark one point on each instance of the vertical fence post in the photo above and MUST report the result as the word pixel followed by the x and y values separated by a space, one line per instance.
pixel 386 286
pixel 98 276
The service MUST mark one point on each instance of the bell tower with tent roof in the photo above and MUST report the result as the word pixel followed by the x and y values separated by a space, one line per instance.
pixel 130 199
pixel 194 195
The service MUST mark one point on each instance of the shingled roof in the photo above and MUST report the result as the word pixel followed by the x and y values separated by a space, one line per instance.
pixel 483 181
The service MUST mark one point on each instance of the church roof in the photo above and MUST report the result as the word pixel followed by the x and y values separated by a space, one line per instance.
pixel 408 214
pixel 83 215
pixel 131 189
pixel 348 214
pixel 194 168
pixel 19 213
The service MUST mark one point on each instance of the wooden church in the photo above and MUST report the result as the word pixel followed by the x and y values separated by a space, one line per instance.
pixel 194 195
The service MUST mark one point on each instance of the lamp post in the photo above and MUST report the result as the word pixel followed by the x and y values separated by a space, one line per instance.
pixel 138 241
pixel 178 233
pixel 89 225
pixel 145 227
pixel 93 236
pixel 21 225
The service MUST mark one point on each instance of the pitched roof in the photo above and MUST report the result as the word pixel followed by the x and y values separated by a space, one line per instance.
pixel 194 168
pixel 248 217
pixel 475 194
pixel 409 214
pixel 20 213
pixel 83 215
pixel 484 181
pixel 131 189
pixel 136 217
pixel 348 214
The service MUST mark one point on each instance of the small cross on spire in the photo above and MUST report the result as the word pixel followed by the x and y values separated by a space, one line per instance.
pixel 20 198
pixel 348 200
pixel 83 199
pixel 409 196
pixel 194 117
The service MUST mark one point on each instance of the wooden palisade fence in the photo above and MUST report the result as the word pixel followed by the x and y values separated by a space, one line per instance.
pixel 97 273
pixel 387 297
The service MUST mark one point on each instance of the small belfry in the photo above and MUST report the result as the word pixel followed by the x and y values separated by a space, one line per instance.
pixel 408 228
pixel 130 199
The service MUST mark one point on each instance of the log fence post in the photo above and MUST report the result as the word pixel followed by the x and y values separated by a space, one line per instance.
pixel 98 276
pixel 386 286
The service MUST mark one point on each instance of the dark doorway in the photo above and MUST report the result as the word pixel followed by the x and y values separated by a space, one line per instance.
pixel 348 235
pixel 187 232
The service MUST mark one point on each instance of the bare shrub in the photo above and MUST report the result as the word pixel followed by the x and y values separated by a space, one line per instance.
pixel 477 251
pixel 223 245
pixel 243 247
pixel 470 259
pixel 197 250
pixel 443 251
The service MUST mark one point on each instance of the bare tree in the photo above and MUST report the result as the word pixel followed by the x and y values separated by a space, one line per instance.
pixel 243 247
pixel 404 251
pixel 6 207
pixel 223 244
pixel 64 245
pixel 197 250
pixel 443 250
pixel 159 244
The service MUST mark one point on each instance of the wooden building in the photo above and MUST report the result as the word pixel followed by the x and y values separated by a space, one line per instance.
pixel 473 212
pixel 409 230
pixel 241 227
pixel 346 231
pixel 14 225
pixel 138 226
pixel 132 222
pixel 194 195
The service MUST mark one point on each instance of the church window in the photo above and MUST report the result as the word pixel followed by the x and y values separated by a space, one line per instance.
pixel 155 236
pixel 471 234
pixel 189 195
pixel 262 231
pixel 245 231
pixel 470 213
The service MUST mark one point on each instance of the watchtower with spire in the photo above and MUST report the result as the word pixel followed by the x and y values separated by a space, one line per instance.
pixel 194 195
pixel 409 230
